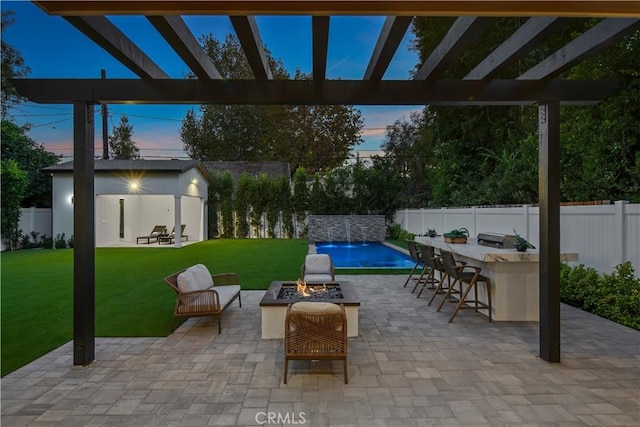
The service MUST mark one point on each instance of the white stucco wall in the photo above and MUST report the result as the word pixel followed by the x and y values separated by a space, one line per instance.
pixel 152 203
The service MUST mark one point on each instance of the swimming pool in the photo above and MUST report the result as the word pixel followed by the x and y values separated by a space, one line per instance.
pixel 364 255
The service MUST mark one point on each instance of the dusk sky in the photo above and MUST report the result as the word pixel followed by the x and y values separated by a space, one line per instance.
pixel 53 48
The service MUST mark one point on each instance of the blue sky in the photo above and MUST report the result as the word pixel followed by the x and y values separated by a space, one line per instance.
pixel 53 48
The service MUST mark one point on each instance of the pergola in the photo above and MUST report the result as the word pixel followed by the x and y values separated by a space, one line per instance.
pixel 539 86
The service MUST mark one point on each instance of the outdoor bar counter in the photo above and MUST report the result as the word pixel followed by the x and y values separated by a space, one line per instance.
pixel 514 276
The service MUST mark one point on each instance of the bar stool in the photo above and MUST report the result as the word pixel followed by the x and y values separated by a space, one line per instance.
pixel 415 256
pixel 471 279
pixel 431 265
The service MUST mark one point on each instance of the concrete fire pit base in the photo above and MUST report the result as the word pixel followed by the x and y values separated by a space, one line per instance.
pixel 274 309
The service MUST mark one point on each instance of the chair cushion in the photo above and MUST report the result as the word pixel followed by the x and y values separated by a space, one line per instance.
pixel 311 278
pixel 316 307
pixel 202 276
pixel 227 293
pixel 187 282
pixel 317 264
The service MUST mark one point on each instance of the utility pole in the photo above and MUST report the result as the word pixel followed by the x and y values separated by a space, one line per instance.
pixel 105 132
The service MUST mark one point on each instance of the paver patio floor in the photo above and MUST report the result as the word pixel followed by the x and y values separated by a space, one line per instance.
pixel 408 367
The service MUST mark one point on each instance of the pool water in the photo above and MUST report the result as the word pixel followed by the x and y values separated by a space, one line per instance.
pixel 364 255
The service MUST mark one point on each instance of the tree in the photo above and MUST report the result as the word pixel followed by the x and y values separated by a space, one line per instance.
pixel 31 158
pixel 242 200
pixel 12 67
pixel 14 183
pixel 300 198
pixel 314 137
pixel 120 141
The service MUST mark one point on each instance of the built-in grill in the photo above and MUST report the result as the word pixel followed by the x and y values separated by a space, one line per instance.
pixel 495 240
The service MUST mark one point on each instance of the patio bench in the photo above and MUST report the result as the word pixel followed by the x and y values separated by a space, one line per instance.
pixel 201 294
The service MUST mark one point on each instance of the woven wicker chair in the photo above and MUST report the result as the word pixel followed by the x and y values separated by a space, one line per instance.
pixel 414 252
pixel 468 278
pixel 432 263
pixel 206 302
pixel 315 335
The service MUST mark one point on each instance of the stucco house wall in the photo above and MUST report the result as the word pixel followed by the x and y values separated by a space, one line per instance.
pixel 150 193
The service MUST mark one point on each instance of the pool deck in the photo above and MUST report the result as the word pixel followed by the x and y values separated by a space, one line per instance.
pixel 409 367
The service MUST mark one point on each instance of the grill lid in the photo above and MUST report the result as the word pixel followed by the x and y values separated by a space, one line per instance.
pixel 495 240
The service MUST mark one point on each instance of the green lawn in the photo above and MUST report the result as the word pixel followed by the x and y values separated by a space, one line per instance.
pixel 131 296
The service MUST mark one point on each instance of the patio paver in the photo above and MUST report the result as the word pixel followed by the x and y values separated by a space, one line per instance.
pixel 408 367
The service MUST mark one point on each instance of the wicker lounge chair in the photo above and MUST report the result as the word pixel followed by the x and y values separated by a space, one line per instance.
pixel 169 238
pixel 318 268
pixel 158 231
pixel 315 331
pixel 201 294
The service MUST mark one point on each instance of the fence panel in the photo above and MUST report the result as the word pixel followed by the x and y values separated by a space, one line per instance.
pixel 603 235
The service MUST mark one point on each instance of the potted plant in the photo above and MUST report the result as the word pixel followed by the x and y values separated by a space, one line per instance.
pixel 458 235
pixel 431 232
pixel 521 243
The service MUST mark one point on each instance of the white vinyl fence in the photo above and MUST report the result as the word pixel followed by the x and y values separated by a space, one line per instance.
pixel 603 235
pixel 36 220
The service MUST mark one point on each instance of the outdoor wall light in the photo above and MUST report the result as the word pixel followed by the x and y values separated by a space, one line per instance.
pixel 71 199
pixel 133 185
pixel 194 181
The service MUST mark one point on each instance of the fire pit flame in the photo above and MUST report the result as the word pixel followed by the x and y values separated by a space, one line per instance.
pixel 307 291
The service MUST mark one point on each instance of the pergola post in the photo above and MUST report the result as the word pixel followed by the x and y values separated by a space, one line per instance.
pixel 549 198
pixel 83 234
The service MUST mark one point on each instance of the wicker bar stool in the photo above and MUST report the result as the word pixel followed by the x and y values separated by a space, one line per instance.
pixel 415 256
pixel 432 264
pixel 471 279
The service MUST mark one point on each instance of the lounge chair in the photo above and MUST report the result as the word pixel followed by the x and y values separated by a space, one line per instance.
pixel 158 230
pixel 318 268
pixel 169 238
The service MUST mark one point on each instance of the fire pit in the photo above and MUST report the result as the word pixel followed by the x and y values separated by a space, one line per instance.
pixel 301 291
pixel 281 294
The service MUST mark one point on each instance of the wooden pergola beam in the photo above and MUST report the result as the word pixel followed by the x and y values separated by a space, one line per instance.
pixel 106 35
pixel 320 33
pixel 528 36
pixel 606 33
pixel 181 39
pixel 308 92
pixel 390 37
pixel 464 31
pixel 568 8
pixel 247 30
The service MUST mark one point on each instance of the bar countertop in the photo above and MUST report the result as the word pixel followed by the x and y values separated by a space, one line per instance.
pixel 473 250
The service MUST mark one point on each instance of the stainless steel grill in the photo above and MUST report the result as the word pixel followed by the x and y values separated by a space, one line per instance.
pixel 495 240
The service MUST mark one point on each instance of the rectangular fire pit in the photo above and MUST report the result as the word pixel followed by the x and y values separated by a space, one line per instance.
pixel 280 294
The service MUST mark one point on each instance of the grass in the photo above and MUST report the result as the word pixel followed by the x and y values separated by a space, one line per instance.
pixel 131 296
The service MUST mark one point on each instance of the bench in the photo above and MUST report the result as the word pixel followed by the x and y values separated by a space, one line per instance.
pixel 201 294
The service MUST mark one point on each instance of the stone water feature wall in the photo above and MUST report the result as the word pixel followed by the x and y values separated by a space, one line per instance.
pixel 346 228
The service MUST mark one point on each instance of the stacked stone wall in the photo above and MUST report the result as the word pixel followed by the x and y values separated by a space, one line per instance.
pixel 344 228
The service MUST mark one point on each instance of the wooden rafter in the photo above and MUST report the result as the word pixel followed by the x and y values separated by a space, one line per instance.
pixel 320 30
pixel 106 35
pixel 249 36
pixel 464 31
pixel 181 39
pixel 603 34
pixel 390 37
pixel 529 35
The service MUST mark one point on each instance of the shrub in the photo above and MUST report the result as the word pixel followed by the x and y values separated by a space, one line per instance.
pixel 60 242
pixel 396 232
pixel 613 296
pixel 47 242
pixel 70 242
